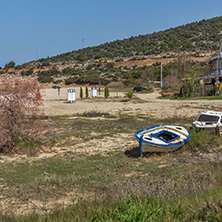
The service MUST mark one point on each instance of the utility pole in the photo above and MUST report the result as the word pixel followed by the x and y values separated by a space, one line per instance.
pixel 217 68
pixel 147 37
pixel 83 55
pixel 83 43
pixel 161 74
pixel 184 65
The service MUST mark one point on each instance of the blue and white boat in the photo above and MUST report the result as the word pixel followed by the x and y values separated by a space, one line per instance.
pixel 162 138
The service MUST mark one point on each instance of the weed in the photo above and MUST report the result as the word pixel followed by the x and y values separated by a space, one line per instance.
pixel 119 186
pixel 95 114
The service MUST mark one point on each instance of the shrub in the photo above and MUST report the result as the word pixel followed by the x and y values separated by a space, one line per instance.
pixel 87 92
pixel 29 72
pixel 71 71
pixel 110 65
pixel 92 79
pixel 129 95
pixel 106 92
pixel 81 93
pixel 19 119
pixel 95 113
pixel 44 79
pixel 9 65
pixel 71 80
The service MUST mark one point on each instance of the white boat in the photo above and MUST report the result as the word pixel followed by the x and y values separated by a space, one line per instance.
pixel 162 138
pixel 208 119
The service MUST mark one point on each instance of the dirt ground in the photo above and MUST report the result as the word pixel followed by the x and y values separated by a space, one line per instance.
pixel 151 61
pixel 149 105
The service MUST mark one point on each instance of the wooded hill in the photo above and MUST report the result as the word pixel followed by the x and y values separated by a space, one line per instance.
pixel 193 37
pixel 133 61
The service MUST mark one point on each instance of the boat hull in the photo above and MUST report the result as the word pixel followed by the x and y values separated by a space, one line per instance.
pixel 162 138
pixel 200 125
pixel 147 147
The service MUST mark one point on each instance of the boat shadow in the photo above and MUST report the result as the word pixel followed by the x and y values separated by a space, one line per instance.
pixel 135 153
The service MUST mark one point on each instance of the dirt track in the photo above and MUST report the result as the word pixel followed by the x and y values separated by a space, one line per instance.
pixel 151 61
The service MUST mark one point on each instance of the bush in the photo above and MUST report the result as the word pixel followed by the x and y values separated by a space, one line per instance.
pixel 81 93
pixel 110 65
pixel 45 79
pixel 71 80
pixel 91 79
pixel 129 95
pixel 71 71
pixel 106 92
pixel 19 119
pixel 87 92
pixel 27 73
pixel 9 65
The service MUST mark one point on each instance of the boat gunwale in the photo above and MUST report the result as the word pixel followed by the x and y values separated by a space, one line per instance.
pixel 158 144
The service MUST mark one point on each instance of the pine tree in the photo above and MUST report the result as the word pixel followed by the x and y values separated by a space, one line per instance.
pixel 87 92
pixel 81 93
pixel 106 92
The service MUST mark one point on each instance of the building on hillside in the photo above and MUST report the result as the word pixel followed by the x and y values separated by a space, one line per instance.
pixel 207 84
pixel 216 63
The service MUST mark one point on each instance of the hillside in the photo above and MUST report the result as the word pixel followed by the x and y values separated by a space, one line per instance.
pixel 132 61
pixel 193 37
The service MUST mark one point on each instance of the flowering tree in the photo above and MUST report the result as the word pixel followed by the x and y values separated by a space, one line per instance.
pixel 19 111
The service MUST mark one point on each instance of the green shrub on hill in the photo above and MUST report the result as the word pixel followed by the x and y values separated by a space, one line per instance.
pixel 47 76
pixel 45 79
pixel 71 80
pixel 9 65
pixel 72 71
pixel 27 73
pixel 196 36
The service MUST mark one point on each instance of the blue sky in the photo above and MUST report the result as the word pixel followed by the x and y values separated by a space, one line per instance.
pixel 30 29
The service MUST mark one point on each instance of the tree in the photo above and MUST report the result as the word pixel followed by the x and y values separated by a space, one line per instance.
pixel 19 108
pixel 106 93
pixel 110 65
pixel 87 92
pixel 45 79
pixel 71 80
pixel 28 73
pixel 9 65
pixel 81 93
pixel 189 84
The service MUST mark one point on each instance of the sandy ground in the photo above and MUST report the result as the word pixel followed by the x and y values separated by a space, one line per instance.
pixel 55 104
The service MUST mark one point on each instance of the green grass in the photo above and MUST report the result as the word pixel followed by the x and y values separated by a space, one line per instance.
pixel 191 98
pixel 113 175
pixel 136 208
pixel 120 185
